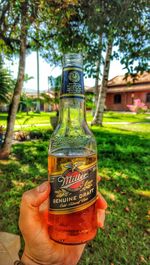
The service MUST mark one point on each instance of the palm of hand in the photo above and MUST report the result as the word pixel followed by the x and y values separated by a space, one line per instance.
pixel 39 249
pixel 51 252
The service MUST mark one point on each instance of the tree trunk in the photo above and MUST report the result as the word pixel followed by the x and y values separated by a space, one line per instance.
pixel 98 64
pixel 6 148
pixel 38 83
pixel 102 93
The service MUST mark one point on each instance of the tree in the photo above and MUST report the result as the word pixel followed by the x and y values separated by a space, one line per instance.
pixel 126 30
pixel 55 85
pixel 133 51
pixel 26 103
pixel 102 93
pixel 97 74
pixel 38 83
pixel 134 41
pixel 21 23
pixel 27 77
pixel 56 27
pixel 6 84
pixel 23 15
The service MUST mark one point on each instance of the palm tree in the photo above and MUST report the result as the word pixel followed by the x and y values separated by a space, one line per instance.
pixel 6 84
pixel 26 103
pixel 55 85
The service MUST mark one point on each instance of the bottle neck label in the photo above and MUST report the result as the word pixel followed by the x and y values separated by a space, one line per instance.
pixel 72 82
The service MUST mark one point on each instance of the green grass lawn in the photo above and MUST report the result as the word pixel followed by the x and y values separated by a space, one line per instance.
pixel 124 164
pixel 44 118
pixel 110 116
pixel 31 119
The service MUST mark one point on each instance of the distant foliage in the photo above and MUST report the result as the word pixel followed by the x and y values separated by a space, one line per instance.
pixel 89 101
pixel 138 106
pixel 6 84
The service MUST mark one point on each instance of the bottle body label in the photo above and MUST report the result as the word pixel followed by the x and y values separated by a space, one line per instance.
pixel 72 82
pixel 74 188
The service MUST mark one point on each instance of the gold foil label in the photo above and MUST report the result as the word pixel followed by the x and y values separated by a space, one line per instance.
pixel 74 189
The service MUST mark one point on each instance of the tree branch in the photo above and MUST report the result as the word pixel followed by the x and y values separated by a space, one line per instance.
pixel 9 41
pixel 5 9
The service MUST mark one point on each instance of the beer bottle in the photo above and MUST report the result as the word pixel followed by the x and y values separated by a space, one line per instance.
pixel 72 163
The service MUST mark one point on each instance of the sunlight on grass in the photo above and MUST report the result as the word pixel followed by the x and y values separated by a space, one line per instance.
pixel 18 183
pixel 44 117
pixel 40 168
pixel 108 194
pixel 119 175
pixel 108 174
pixel 105 173
pixel 123 164
pixel 131 127
pixel 145 193
pixel 25 169
pixel 36 128
pixel 4 162
pixel 31 119
pixel 110 116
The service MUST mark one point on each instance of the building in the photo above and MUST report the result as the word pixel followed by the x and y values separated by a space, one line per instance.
pixel 47 100
pixel 122 92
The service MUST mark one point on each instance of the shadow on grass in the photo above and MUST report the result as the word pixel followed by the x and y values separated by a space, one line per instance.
pixel 3 117
pixel 26 168
pixel 124 166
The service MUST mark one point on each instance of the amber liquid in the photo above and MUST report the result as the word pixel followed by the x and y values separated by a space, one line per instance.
pixel 77 227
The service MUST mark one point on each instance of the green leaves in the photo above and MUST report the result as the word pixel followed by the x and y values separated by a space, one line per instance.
pixel 6 84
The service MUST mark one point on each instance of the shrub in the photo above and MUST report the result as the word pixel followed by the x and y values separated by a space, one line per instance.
pixel 138 106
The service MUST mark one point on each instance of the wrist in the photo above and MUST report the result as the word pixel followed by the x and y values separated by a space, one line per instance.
pixel 27 260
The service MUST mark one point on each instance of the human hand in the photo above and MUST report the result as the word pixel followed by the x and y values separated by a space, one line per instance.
pixel 39 248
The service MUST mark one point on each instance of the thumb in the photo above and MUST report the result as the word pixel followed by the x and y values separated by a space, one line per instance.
pixel 29 208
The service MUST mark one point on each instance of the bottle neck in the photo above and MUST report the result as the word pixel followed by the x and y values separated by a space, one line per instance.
pixel 72 111
pixel 72 103
pixel 72 82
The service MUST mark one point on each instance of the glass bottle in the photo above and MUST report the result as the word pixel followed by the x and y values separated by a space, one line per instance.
pixel 72 163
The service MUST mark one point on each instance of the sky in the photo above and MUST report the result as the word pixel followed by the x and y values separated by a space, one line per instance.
pixel 45 70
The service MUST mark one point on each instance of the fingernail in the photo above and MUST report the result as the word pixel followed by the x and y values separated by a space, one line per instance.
pixel 43 187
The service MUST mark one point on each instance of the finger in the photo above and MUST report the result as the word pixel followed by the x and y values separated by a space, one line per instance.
pixel 35 197
pixel 31 200
pixel 101 203
pixel 43 210
pixel 44 206
pixel 100 218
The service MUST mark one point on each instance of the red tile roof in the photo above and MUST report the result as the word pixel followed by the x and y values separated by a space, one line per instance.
pixel 120 80
pixel 120 84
